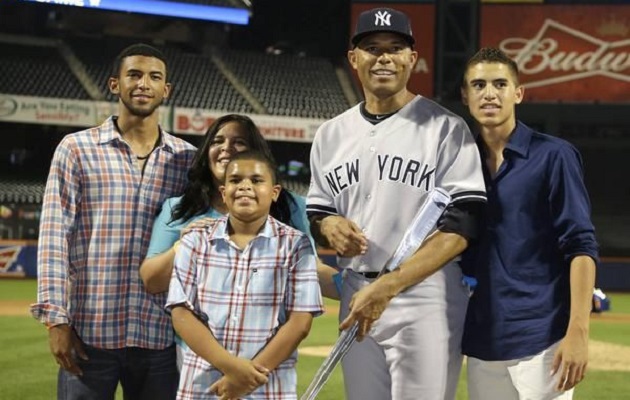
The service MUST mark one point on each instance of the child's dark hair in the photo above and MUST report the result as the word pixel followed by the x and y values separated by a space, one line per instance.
pixel 256 155
pixel 201 188
pixel 138 49
pixel 491 55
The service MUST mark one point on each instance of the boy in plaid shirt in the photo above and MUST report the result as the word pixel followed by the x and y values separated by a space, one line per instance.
pixel 243 293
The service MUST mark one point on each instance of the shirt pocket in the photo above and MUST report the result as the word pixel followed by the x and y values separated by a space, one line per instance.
pixel 267 284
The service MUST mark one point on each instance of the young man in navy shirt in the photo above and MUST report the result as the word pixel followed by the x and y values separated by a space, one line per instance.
pixel 527 326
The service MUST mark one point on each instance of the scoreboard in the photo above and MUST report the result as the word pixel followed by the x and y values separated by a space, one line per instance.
pixel 170 8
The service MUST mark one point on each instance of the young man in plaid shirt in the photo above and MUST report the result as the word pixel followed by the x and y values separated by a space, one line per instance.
pixel 104 189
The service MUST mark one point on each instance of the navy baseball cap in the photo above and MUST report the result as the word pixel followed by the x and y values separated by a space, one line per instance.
pixel 382 20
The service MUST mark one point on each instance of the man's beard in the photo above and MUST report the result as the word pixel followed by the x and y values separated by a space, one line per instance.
pixel 138 111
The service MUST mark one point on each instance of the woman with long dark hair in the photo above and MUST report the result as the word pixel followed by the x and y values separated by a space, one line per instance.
pixel 228 135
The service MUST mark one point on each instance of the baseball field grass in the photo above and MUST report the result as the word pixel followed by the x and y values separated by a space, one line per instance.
pixel 29 372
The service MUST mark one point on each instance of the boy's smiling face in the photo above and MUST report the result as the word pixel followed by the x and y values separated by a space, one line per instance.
pixel 249 190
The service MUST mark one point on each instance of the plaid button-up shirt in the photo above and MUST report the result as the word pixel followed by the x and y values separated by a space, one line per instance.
pixel 244 297
pixel 98 211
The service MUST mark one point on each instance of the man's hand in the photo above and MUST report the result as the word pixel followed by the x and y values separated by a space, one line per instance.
pixel 367 305
pixel 65 346
pixel 242 377
pixel 571 358
pixel 343 236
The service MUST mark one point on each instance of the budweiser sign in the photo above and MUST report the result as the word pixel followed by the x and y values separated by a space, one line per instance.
pixel 565 59
pixel 545 53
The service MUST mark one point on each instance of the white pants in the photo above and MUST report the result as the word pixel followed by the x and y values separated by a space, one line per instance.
pixel 413 351
pixel 522 379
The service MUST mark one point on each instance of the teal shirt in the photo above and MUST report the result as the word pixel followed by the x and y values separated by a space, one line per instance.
pixel 165 233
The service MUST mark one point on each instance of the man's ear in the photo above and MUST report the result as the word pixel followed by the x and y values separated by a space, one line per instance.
pixel 167 90
pixel 519 93
pixel 414 58
pixel 352 58
pixel 112 83
pixel 222 190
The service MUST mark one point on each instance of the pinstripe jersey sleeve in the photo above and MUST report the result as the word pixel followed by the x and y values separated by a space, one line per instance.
pixel 318 199
pixel 459 164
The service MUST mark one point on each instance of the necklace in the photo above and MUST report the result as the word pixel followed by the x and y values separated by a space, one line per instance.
pixel 157 142
pixel 145 157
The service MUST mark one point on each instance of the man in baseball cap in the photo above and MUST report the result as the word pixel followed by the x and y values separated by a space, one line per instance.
pixel 383 20
pixel 382 155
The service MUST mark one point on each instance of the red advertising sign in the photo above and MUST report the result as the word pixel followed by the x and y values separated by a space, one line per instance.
pixel 577 53
pixel 273 127
pixel 423 26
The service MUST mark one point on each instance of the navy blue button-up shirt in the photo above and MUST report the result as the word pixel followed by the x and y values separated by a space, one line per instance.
pixel 538 219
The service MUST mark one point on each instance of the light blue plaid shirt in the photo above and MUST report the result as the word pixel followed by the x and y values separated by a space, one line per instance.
pixel 243 296
pixel 95 228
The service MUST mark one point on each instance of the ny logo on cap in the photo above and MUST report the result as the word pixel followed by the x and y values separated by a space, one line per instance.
pixel 382 18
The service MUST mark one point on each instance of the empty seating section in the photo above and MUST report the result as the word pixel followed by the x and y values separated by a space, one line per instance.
pixel 195 80
pixel 197 83
pixel 289 85
pixel 21 192
pixel 97 56
pixel 37 71
pixel 285 85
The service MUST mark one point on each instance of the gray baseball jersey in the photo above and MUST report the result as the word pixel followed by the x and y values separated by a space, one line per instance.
pixel 379 176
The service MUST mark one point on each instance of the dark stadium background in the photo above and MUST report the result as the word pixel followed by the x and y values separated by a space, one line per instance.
pixel 316 28
pixel 287 31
